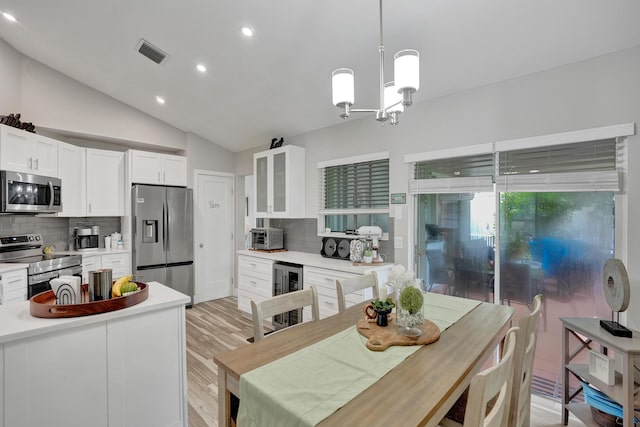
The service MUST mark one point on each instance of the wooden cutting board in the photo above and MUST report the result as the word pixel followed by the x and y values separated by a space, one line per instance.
pixel 381 338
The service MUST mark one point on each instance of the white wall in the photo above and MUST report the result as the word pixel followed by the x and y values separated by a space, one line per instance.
pixel 593 93
pixel 10 78
pixel 201 154
pixel 66 109
pixel 55 101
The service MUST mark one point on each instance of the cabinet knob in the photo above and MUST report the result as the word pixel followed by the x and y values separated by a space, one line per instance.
pixel 202 245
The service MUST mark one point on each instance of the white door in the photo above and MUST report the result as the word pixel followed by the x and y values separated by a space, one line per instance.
pixel 213 237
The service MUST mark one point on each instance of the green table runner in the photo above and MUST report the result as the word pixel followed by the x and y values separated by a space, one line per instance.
pixel 307 386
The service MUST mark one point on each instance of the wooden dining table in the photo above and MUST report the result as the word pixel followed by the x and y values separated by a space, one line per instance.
pixel 417 392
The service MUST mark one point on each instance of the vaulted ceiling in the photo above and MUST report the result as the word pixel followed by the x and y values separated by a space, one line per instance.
pixel 278 83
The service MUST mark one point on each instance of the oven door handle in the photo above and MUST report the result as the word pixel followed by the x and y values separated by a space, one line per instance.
pixel 51 195
pixel 43 277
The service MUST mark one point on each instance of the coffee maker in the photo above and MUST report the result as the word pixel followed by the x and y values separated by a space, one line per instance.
pixel 85 238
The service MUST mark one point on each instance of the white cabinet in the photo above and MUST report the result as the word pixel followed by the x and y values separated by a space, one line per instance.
pixel 279 182
pixel 62 393
pixel 324 281
pixel 105 183
pixel 90 263
pixel 157 168
pixel 13 286
pixel 124 368
pixel 255 281
pixel 72 170
pixel 118 263
pixel 27 152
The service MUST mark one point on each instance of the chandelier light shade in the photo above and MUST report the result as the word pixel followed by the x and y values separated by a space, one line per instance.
pixel 343 87
pixel 406 70
pixel 392 102
pixel 394 98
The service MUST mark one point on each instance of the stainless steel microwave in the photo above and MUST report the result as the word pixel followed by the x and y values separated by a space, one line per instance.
pixel 28 193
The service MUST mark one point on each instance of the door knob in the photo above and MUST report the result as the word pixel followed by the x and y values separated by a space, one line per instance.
pixel 202 245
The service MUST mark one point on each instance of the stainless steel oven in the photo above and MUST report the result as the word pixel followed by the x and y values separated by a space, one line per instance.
pixel 27 249
pixel 28 193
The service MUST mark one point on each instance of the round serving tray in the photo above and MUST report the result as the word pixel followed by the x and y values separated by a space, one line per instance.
pixel 44 304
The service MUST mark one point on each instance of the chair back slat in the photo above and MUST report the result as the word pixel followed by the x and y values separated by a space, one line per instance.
pixel 348 286
pixel 281 304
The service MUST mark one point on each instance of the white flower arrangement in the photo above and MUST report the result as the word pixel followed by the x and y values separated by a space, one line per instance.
pixel 399 276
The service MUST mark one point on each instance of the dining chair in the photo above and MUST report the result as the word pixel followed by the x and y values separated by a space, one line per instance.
pixel 348 286
pixel 489 396
pixel 282 304
pixel 520 409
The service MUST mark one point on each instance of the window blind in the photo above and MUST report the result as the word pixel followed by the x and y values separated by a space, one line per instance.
pixel 583 166
pixel 355 186
pixel 453 175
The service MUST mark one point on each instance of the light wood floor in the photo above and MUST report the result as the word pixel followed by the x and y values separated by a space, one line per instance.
pixel 217 326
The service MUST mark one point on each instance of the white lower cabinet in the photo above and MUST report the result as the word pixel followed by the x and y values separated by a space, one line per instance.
pixel 90 263
pixel 119 264
pixel 110 373
pixel 255 281
pixel 13 286
pixel 324 281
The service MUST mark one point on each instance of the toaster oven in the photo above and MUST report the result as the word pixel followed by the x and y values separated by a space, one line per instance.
pixel 267 238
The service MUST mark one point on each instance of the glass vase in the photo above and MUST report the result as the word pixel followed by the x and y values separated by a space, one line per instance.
pixel 409 315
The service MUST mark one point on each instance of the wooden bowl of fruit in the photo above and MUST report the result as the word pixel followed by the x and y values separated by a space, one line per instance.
pixel 44 304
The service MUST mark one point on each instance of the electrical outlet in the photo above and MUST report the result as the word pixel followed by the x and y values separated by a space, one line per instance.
pixel 397 242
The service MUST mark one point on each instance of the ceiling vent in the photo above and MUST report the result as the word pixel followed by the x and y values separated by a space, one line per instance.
pixel 150 51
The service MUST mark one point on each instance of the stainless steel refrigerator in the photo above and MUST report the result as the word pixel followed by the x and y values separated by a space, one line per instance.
pixel 163 236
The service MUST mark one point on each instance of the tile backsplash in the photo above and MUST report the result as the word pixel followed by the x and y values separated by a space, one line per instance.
pixel 54 230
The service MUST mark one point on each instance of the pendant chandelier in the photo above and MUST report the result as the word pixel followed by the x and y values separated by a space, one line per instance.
pixel 395 95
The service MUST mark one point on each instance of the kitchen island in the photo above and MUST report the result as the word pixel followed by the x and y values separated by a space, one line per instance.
pixel 125 367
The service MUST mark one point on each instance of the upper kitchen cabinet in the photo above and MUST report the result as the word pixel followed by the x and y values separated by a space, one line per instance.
pixel 72 170
pixel 157 168
pixel 105 183
pixel 279 182
pixel 27 152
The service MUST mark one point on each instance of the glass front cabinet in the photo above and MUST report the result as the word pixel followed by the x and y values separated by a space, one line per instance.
pixel 279 186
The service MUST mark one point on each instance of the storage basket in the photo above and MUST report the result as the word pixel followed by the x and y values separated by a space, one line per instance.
pixel 605 411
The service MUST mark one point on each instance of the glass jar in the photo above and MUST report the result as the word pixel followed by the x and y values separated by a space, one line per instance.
pixel 409 314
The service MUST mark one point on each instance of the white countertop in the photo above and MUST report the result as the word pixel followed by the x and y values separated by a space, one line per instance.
pixel 17 323
pixel 92 252
pixel 315 260
pixel 5 267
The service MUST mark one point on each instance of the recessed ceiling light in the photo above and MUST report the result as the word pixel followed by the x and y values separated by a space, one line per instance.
pixel 159 100
pixel 247 31
pixel 9 17
pixel 201 68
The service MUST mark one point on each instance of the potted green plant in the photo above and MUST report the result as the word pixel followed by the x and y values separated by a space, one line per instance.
pixel 382 308
pixel 368 256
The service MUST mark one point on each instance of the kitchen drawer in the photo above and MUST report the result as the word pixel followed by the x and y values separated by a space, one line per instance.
pixel 14 281
pixel 114 261
pixel 118 272
pixel 90 263
pixel 321 277
pixel 257 286
pixel 14 296
pixel 255 267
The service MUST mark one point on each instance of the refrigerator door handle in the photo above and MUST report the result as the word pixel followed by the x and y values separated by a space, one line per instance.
pixel 164 227
pixel 166 236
